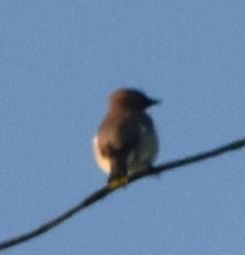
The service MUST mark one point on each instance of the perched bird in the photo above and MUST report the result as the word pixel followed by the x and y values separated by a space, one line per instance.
pixel 126 142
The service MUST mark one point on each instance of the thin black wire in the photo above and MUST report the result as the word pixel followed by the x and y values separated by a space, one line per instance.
pixel 106 190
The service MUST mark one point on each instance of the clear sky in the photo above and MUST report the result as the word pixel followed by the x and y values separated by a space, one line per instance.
pixel 59 61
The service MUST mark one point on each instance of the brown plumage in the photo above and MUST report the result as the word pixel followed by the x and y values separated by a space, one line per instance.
pixel 126 141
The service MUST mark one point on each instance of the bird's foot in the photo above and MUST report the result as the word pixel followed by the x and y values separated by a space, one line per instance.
pixel 118 182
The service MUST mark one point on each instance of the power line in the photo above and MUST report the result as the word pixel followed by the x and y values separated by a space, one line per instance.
pixel 106 190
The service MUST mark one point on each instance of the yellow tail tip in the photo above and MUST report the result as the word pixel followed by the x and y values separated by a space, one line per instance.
pixel 117 183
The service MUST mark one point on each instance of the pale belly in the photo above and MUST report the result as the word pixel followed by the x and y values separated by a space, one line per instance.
pixel 138 160
pixel 103 162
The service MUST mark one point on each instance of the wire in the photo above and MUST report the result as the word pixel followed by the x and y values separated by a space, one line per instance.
pixel 106 190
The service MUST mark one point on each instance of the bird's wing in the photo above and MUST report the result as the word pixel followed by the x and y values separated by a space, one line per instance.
pixel 117 141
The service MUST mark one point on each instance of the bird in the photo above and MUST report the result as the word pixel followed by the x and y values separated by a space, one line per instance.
pixel 126 142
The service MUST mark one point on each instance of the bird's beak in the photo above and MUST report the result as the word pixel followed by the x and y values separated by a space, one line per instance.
pixel 155 102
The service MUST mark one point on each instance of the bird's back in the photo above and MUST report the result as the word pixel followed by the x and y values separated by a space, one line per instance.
pixel 126 143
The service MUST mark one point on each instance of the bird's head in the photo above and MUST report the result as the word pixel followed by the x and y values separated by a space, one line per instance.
pixel 131 99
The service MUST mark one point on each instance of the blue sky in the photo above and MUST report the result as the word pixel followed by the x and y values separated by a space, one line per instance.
pixel 59 61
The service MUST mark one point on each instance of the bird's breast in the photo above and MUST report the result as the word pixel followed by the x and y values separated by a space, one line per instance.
pixel 102 161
